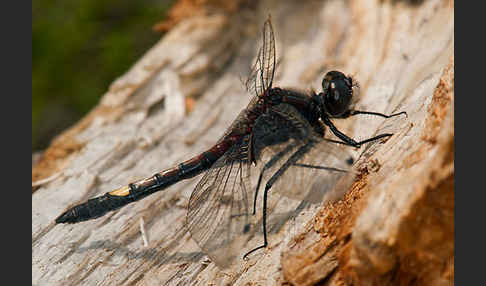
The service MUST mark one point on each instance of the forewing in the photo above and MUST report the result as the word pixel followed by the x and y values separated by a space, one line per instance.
pixel 218 209
pixel 253 84
pixel 268 55
pixel 263 70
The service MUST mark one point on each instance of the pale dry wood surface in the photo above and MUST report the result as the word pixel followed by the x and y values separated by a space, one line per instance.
pixel 394 226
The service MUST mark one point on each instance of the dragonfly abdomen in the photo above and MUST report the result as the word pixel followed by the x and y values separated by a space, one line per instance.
pixel 93 208
pixel 135 191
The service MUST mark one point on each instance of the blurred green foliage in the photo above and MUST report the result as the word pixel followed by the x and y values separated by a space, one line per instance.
pixel 78 49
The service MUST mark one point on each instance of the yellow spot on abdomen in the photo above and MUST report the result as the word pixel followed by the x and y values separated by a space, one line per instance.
pixel 123 191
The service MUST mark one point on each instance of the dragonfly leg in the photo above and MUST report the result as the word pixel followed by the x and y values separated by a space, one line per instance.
pixel 320 167
pixel 356 112
pixel 267 166
pixel 290 161
pixel 346 140
pixel 257 188
pixel 267 187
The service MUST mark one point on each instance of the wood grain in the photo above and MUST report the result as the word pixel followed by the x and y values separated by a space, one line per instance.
pixel 394 226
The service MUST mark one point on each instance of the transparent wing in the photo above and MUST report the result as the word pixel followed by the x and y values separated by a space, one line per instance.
pixel 263 70
pixel 218 211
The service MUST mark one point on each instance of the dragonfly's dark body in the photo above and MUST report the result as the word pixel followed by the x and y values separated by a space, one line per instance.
pixel 279 129
pixel 242 125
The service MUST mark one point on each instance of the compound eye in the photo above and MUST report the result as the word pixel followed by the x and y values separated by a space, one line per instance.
pixel 334 92
pixel 338 92
pixel 325 84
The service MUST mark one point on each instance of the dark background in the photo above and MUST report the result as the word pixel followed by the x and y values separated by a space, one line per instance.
pixel 78 49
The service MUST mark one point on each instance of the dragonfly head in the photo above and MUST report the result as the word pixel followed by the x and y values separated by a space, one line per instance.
pixel 337 93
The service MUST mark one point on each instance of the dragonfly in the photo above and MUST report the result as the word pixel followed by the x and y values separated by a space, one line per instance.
pixel 282 131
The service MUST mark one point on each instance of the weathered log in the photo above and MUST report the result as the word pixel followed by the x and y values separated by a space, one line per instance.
pixel 394 226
